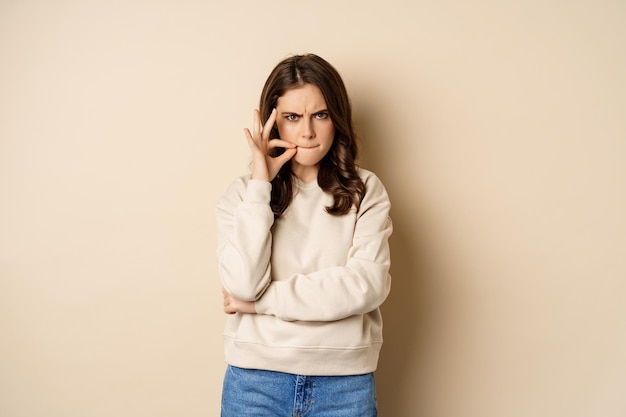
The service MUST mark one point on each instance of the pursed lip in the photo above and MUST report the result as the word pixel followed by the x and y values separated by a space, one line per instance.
pixel 308 147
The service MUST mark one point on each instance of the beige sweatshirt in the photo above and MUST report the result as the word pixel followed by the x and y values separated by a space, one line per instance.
pixel 317 279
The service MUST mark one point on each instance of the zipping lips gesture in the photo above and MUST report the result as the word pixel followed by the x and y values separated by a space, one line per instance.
pixel 264 166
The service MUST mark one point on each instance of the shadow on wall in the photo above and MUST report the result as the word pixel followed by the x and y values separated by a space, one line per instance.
pixel 405 312
pixel 405 326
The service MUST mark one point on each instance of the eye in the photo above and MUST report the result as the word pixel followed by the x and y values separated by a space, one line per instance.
pixel 321 115
pixel 291 117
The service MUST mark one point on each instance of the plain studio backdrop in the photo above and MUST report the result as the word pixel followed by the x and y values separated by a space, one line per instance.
pixel 498 127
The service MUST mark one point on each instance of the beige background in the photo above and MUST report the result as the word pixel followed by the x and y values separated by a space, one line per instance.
pixel 498 127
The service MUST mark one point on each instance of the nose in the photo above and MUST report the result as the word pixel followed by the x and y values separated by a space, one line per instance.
pixel 307 129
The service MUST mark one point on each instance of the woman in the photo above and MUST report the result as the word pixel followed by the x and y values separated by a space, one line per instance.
pixel 303 256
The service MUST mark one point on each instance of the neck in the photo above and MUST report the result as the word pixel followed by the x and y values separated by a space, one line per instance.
pixel 306 174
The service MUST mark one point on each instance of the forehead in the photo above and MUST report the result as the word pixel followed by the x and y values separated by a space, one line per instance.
pixel 305 97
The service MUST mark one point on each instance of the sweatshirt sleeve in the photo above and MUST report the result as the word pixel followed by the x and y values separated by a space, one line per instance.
pixel 244 219
pixel 338 292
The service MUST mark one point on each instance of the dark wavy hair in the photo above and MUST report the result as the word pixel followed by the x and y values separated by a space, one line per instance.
pixel 338 172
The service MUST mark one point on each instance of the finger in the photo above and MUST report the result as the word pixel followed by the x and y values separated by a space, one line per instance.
pixel 254 146
pixel 256 124
pixel 279 143
pixel 251 143
pixel 267 127
pixel 249 137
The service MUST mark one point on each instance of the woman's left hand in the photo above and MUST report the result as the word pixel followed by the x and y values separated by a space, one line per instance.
pixel 233 305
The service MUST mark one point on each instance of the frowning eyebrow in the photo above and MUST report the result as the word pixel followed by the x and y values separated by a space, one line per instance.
pixel 289 113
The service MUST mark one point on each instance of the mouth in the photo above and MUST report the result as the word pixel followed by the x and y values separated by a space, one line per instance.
pixel 308 147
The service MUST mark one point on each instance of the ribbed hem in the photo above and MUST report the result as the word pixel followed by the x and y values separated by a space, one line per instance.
pixel 317 361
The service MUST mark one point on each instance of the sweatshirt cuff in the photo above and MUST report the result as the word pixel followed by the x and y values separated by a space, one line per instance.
pixel 258 191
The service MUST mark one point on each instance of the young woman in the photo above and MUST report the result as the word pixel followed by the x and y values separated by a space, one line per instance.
pixel 303 256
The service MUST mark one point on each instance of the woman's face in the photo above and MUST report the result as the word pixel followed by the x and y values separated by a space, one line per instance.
pixel 303 120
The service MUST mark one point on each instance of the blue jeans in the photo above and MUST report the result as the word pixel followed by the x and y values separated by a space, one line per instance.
pixel 251 392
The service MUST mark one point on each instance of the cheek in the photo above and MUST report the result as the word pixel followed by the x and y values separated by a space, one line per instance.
pixel 329 134
pixel 284 131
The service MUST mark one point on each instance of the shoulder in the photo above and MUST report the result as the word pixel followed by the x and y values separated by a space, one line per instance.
pixel 375 192
pixel 371 181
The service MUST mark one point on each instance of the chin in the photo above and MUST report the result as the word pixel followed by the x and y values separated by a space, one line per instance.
pixel 307 162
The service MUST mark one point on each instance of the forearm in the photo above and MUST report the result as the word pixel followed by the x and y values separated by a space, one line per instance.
pixel 337 292
pixel 244 241
pixel 341 293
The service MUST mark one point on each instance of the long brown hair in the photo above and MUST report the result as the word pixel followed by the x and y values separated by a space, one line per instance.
pixel 338 173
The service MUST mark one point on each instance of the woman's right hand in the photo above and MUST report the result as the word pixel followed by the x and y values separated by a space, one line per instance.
pixel 265 167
